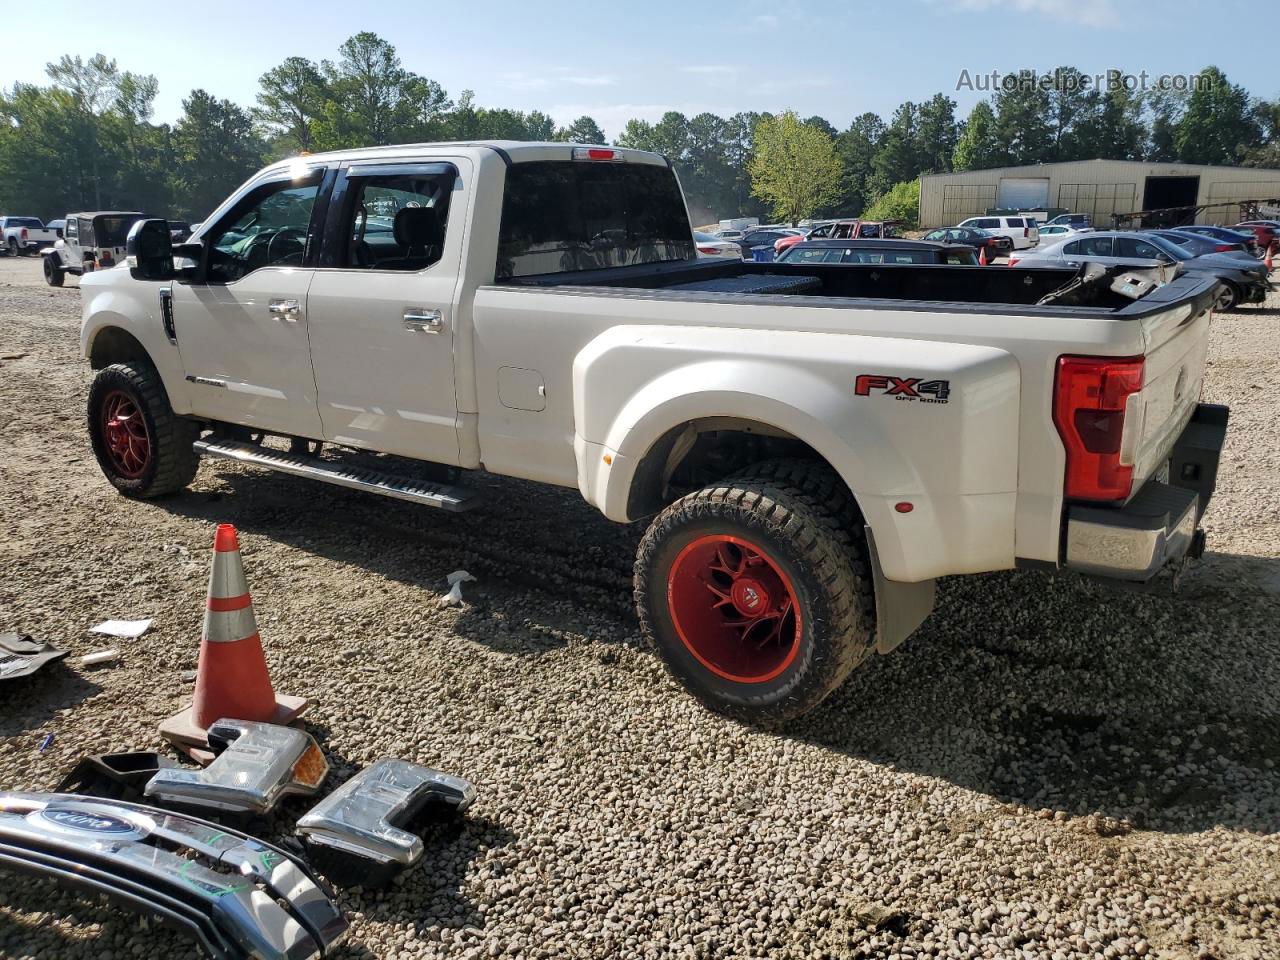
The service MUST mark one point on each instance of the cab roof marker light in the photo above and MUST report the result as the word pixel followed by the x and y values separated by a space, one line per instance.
pixel 597 153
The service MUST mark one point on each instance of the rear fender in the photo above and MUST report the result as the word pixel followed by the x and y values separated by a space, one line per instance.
pixel 952 457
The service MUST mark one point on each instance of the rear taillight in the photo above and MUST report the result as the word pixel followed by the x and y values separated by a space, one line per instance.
pixel 1223 248
pixel 1026 231
pixel 24 233
pixel 711 251
pixel 1012 261
pixel 1089 399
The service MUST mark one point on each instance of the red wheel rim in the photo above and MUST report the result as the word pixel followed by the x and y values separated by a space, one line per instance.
pixel 124 431
pixel 734 609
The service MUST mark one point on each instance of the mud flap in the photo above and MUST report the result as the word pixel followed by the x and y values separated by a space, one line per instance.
pixel 900 607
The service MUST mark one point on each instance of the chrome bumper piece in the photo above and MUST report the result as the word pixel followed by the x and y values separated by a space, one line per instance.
pixel 238 897
pixel 260 763
pixel 357 835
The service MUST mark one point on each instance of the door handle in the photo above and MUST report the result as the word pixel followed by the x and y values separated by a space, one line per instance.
pixel 284 309
pixel 423 321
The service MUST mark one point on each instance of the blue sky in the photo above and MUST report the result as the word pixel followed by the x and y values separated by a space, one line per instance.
pixel 619 60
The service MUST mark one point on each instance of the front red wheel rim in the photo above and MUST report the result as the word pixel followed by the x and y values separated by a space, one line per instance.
pixel 734 609
pixel 125 434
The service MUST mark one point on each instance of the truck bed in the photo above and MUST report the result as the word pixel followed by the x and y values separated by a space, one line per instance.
pixel 867 286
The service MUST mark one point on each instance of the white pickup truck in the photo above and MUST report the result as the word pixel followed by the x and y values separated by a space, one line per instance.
pixel 816 443
pixel 19 235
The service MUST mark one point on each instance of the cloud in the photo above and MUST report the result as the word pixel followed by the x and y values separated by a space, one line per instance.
pixel 710 69
pixel 765 21
pixel 1087 13
pixel 602 80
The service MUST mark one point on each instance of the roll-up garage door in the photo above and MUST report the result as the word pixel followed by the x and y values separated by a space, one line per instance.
pixel 1023 193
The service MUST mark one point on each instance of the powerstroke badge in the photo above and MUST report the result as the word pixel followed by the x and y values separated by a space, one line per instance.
pixel 902 388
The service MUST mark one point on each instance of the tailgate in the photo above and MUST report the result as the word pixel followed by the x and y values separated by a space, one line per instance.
pixel 1177 341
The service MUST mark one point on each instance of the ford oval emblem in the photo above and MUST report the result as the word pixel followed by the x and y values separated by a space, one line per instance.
pixel 85 821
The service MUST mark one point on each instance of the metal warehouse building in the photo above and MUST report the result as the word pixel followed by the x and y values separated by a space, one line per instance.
pixel 1096 187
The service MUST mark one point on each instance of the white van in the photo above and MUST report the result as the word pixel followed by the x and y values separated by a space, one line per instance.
pixel 1023 231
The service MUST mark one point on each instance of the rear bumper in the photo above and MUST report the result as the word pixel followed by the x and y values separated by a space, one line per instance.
pixel 1158 527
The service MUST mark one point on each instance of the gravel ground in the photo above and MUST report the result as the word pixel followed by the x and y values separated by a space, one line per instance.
pixel 1048 769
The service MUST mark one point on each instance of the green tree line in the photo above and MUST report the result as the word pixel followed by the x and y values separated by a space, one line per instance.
pixel 87 139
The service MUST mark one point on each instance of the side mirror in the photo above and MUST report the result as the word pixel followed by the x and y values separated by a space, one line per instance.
pixel 1164 258
pixel 149 250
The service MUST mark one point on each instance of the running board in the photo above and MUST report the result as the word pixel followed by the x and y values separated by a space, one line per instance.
pixel 442 495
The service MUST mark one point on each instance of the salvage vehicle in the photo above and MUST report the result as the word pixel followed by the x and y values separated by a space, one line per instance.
pixel 995 244
pixel 1243 279
pixel 815 443
pixel 90 241
pixel 24 235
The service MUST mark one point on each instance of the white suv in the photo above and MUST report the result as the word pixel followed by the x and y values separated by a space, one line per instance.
pixel 1023 231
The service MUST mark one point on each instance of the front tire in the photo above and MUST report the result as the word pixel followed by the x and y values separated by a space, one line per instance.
pixel 53 274
pixel 143 448
pixel 756 592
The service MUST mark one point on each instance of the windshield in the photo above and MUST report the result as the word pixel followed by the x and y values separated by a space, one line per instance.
pixel 564 216
pixel 113 231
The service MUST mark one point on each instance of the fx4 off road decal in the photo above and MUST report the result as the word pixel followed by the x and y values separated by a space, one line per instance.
pixel 902 388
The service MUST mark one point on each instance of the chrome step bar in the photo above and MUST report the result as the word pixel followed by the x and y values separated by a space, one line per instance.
pixel 441 495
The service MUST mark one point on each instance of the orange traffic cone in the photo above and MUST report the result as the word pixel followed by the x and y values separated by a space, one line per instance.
pixel 982 255
pixel 231 679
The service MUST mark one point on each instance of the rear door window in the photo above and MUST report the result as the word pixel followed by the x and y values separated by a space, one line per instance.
pixel 396 220
pixel 1095 247
pixel 1015 222
pixel 572 215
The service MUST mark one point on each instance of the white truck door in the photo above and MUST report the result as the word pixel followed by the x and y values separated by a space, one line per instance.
pixel 382 308
pixel 242 330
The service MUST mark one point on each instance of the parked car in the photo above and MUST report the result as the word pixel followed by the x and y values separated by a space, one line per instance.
pixel 879 251
pixel 841 230
pixel 90 241
pixel 766 238
pixel 995 245
pixel 1243 281
pixel 24 235
pixel 1265 232
pixel 709 246
pixel 1199 246
pixel 728 234
pixel 1060 231
pixel 1226 235
pixel 1023 231
pixel 815 444
pixel 1078 220
pixel 56 226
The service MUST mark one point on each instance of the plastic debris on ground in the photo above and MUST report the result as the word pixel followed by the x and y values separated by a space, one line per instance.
pixel 20 655
pixel 100 658
pixel 126 629
pixel 456 580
